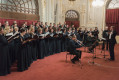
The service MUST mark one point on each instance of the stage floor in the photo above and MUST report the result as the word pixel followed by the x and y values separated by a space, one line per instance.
pixel 54 67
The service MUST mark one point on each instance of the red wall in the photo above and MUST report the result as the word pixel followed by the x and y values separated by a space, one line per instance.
pixel 75 23
pixel 112 18
pixel 19 22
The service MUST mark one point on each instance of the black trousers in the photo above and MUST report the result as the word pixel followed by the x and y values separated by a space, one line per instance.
pixel 105 43
pixel 111 49
pixel 78 54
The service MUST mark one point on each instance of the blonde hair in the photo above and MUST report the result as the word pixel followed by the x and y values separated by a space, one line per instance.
pixel 40 29
pixel 16 28
pixel 7 30
pixel 31 29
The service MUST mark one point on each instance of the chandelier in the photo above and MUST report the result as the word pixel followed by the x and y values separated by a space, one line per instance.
pixel 98 3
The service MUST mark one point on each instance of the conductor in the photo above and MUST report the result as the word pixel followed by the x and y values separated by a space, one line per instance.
pixel 112 42
pixel 72 48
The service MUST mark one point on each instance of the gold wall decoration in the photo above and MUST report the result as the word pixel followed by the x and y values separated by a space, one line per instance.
pixel 18 16
pixel 72 0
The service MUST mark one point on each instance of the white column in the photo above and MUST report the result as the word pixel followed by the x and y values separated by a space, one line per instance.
pixel 40 9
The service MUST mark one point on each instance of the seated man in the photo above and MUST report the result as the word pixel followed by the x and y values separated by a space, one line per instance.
pixel 72 49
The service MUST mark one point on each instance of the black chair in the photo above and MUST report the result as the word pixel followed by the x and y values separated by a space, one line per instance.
pixel 79 62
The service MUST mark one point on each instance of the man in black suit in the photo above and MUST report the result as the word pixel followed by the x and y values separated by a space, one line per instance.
pixel 96 32
pixel 112 42
pixel 105 35
pixel 72 49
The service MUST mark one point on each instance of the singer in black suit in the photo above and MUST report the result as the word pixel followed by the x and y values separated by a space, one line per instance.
pixel 105 35
pixel 112 42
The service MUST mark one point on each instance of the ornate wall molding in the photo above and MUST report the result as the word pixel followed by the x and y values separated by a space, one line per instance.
pixel 21 6
pixel 18 16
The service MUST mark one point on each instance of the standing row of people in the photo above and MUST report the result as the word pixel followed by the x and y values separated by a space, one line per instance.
pixel 25 44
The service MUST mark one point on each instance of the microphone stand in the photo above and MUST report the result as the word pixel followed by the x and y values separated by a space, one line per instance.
pixel 104 50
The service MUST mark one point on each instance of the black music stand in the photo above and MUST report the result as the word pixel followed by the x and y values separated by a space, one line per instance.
pixel 103 50
pixel 93 61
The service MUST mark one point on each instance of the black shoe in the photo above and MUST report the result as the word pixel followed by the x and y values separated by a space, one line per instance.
pixel 77 59
pixel 73 61
pixel 111 59
pixel 90 51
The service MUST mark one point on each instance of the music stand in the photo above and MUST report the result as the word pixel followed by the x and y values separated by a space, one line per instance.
pixel 103 50
pixel 93 61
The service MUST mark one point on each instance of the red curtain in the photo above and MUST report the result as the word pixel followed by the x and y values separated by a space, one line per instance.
pixel 75 23
pixel 112 18
pixel 19 22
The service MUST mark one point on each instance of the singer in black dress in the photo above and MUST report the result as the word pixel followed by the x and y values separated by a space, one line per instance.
pixel 4 55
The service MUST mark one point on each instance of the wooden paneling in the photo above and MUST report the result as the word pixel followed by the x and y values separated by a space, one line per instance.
pixel 18 16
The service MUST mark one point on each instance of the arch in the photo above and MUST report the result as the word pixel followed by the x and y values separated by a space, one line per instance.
pixel 72 18
pixel 107 3
pixel 113 4
pixel 72 15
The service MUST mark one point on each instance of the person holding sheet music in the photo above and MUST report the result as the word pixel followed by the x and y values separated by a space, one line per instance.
pixel 46 33
pixel 96 32
pixel 80 34
pixel 5 63
pixel 112 42
pixel 105 36
pixel 85 35
pixel 21 51
pixel 51 42
pixel 58 40
pixel 33 43
pixel 41 44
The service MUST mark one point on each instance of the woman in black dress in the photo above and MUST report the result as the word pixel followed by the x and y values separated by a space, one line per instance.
pixel 4 55
pixel 21 61
pixel 41 45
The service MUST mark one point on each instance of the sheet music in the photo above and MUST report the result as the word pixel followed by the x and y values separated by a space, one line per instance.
pixel 52 35
pixel 15 33
pixel 46 34
pixel 42 35
pixel 59 32
pixel 69 34
pixel 9 34
pixel 103 38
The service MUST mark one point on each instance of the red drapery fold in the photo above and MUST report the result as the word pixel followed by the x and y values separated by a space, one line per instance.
pixel 19 22
pixel 75 23
pixel 112 18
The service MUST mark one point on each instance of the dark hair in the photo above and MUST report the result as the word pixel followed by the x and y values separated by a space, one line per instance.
pixel 64 29
pixel 22 30
pixel 73 36
pixel 51 29
pixel 113 27
pixel 14 23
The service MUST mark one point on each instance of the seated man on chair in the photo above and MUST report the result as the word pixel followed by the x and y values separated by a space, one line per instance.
pixel 72 48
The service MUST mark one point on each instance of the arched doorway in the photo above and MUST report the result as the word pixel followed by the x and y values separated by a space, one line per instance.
pixel 112 14
pixel 72 18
